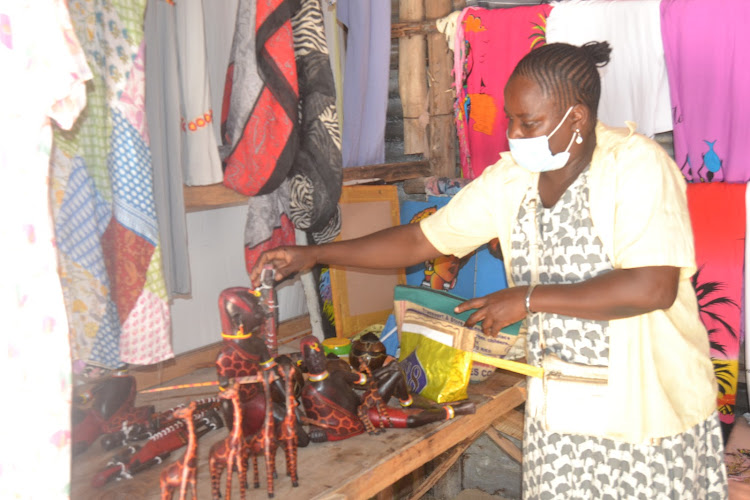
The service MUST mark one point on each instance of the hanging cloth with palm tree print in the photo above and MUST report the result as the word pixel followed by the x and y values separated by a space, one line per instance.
pixel 717 212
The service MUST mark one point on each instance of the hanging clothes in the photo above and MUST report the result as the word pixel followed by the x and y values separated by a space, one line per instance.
pixel 44 75
pixel 259 115
pixel 634 83
pixel 489 44
pixel 105 217
pixel 717 212
pixel 308 199
pixel 366 74
pixel 315 180
pixel 709 75
pixel 163 111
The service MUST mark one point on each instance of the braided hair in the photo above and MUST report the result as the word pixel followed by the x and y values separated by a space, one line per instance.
pixel 567 73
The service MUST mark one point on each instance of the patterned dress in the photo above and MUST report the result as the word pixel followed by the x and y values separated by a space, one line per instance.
pixel 555 465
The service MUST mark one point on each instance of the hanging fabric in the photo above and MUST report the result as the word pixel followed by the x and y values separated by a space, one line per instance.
pixel 308 199
pixel 105 219
pixel 493 42
pixel 368 51
pixel 717 213
pixel 44 79
pixel 259 115
pixel 709 75
pixel 316 175
pixel 634 82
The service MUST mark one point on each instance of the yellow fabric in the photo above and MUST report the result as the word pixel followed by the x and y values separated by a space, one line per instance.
pixel 661 377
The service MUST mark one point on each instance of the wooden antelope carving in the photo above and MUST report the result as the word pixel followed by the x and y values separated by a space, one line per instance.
pixel 287 434
pixel 230 452
pixel 264 441
pixel 183 472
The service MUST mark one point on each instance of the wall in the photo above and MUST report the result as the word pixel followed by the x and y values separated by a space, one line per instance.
pixel 217 262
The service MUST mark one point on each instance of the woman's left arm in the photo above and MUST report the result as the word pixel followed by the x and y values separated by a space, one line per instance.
pixel 619 293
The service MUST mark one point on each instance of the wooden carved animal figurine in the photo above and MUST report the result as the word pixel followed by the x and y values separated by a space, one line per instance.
pixel 137 458
pixel 287 433
pixel 110 403
pixel 229 453
pixel 328 398
pixel 244 353
pixel 183 472
pixel 389 380
pixel 264 442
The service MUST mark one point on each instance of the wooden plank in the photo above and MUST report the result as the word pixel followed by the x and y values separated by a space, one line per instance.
pixel 444 467
pixel 356 468
pixel 505 444
pixel 389 172
pixel 404 460
pixel 413 28
pixel 442 130
pixel 211 196
pixel 219 196
pixel 412 80
pixel 511 424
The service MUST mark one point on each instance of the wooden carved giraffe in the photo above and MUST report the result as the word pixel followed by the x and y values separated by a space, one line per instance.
pixel 287 434
pixel 182 472
pixel 264 441
pixel 230 452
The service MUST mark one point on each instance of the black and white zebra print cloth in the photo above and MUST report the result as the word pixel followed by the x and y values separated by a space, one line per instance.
pixel 316 175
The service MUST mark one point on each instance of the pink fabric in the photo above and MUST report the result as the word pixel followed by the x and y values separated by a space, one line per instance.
pixel 717 212
pixel 709 83
pixel 494 41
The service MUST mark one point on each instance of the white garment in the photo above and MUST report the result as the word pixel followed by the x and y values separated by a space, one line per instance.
pixel 200 151
pixel 634 83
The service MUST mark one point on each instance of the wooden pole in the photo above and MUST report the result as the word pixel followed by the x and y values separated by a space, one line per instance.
pixel 442 130
pixel 412 79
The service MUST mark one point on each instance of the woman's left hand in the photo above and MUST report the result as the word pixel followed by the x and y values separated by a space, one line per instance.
pixel 496 310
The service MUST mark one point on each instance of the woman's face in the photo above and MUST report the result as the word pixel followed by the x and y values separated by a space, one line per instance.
pixel 530 113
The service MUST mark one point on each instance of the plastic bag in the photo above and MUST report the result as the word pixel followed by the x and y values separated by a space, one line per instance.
pixel 436 347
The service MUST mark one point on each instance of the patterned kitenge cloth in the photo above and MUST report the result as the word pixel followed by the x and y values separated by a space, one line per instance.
pixel 708 86
pixel 566 466
pixel 110 258
pixel 488 45
pixel 717 212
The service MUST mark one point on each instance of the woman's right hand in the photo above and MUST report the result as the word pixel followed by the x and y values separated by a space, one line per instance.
pixel 285 261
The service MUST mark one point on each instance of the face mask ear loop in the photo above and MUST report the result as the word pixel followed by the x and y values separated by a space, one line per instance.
pixel 572 138
pixel 561 122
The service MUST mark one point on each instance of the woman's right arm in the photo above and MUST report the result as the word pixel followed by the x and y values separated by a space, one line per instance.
pixel 391 248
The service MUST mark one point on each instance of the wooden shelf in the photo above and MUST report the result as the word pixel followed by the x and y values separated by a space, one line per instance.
pixel 219 196
pixel 352 469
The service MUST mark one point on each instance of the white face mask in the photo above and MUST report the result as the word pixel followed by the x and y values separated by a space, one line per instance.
pixel 533 153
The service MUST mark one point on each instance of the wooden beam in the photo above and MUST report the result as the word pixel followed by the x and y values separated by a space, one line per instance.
pixel 444 466
pixel 403 461
pixel 511 424
pixel 413 28
pixel 211 196
pixel 389 172
pixel 219 196
pixel 441 130
pixel 505 444
pixel 412 80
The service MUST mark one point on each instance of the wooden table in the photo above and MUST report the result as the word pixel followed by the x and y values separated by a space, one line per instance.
pixel 357 468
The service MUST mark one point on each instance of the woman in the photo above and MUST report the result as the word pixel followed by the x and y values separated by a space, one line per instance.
pixel 594 225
